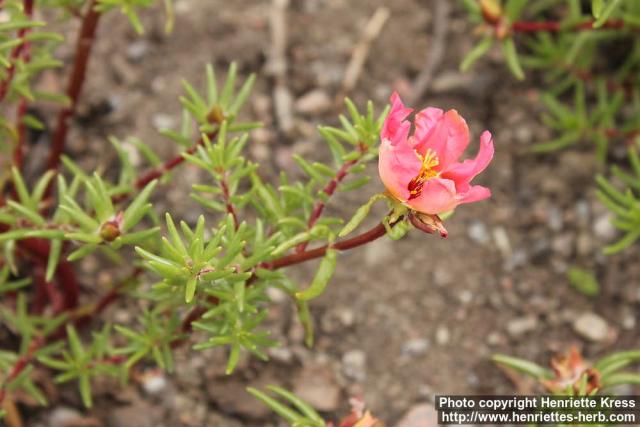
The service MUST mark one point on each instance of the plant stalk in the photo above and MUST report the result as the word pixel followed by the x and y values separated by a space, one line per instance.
pixel 84 43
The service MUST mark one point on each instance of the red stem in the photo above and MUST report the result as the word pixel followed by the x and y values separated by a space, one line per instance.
pixel 67 278
pixel 329 189
pixel 40 293
pixel 84 314
pixel 84 44
pixel 65 274
pixel 20 365
pixel 164 168
pixel 18 152
pixel 343 245
pixel 227 200
pixel 359 240
pixel 288 260
pixel 555 26
pixel 159 171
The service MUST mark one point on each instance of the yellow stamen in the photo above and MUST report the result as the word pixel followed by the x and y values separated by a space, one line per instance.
pixel 427 171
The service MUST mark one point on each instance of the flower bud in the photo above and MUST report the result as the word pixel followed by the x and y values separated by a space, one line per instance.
pixel 491 11
pixel 109 231
pixel 216 115
pixel 428 223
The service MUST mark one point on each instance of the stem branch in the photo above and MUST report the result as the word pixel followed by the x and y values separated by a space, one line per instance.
pixel 329 189
pixel 556 26
pixel 292 259
pixel 84 43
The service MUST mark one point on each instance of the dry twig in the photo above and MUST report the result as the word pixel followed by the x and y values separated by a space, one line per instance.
pixel 361 51
pixel 277 67
pixel 436 52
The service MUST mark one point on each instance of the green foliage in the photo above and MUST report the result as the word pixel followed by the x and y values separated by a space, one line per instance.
pixel 220 266
pixel 521 365
pixel 591 91
pixel 130 8
pixel 623 204
pixel 571 60
pixel 80 363
pixel 18 29
pixel 294 410
pixel 584 281
pixel 610 370
pixel 32 330
pixel 158 332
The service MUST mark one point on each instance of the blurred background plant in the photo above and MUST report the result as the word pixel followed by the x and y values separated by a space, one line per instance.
pixel 586 57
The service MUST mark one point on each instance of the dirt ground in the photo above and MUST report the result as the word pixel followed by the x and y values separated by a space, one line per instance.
pixel 402 321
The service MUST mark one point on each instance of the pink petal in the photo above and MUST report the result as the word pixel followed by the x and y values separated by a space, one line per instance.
pixel 475 194
pixel 463 173
pixel 398 165
pixel 425 121
pixel 438 195
pixel 447 135
pixel 395 128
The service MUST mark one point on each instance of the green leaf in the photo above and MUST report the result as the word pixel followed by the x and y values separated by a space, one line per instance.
pixel 81 252
pixel 476 53
pixel 289 243
pixel 29 213
pixel 583 281
pixel 360 215
pixel 227 89
pixel 306 320
pixel 522 365
pixel 321 278
pixel 301 405
pixel 190 289
pixel 54 258
pixel 605 13
pixel 622 378
pixel 623 243
pixel 511 56
pixel 21 188
pixel 17 25
pixel 513 9
pixel 84 385
pixel 212 87
pixel 597 7
pixel 137 208
pixel 626 357
pixel 234 357
pixel 74 343
pixel 285 412
pixel 176 240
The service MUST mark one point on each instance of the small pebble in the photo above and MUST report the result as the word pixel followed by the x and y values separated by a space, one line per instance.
pixel 477 231
pixel 415 348
pixel 162 121
pixel 314 102
pixel 591 326
pixel 518 327
pixel 442 335
pixel 354 364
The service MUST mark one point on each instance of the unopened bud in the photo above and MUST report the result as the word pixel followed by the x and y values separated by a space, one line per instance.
pixel 109 231
pixel 491 10
pixel 428 223
pixel 216 115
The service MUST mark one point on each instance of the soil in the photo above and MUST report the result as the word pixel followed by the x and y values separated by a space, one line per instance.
pixel 401 321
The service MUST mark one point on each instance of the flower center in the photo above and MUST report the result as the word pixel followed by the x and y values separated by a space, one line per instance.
pixel 427 171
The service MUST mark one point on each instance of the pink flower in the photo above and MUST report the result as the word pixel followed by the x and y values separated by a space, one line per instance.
pixel 423 170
